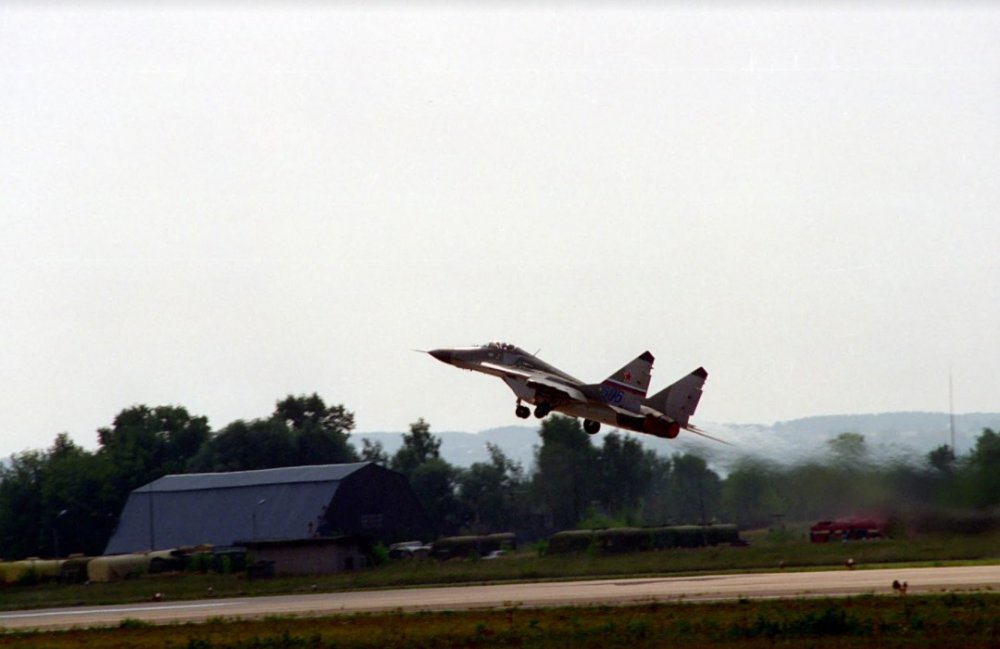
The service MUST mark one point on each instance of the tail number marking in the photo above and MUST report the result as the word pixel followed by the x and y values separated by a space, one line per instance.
pixel 611 395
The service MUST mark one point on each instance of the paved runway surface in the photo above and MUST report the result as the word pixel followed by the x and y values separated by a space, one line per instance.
pixel 607 591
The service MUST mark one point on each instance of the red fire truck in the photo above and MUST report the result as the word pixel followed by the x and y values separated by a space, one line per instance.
pixel 852 529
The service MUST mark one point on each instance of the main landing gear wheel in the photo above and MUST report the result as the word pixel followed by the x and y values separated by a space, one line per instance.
pixel 591 427
pixel 522 411
pixel 542 409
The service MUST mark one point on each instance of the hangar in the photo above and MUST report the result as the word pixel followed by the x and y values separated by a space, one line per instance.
pixel 361 499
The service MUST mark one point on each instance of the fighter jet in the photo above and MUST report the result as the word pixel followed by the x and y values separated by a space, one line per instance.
pixel 620 400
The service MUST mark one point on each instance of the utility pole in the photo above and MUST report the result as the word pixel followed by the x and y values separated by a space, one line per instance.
pixel 253 517
pixel 951 411
pixel 55 532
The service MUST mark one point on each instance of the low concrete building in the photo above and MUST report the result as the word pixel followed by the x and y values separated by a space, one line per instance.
pixel 312 556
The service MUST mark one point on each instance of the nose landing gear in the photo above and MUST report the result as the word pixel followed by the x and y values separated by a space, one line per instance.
pixel 591 427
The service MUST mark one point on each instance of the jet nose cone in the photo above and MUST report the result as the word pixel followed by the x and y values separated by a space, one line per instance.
pixel 443 355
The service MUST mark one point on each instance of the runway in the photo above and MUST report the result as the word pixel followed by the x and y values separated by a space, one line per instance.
pixel 605 591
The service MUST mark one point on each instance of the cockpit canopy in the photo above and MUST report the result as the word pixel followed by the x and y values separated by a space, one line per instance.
pixel 507 347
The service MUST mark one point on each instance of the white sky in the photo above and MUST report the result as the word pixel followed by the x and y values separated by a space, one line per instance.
pixel 216 205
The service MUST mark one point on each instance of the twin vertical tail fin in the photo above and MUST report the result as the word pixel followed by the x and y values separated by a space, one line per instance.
pixel 627 387
pixel 679 400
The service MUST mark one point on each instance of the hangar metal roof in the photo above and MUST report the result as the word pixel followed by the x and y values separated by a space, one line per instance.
pixel 234 479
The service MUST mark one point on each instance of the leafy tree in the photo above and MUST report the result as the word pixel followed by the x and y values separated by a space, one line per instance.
pixel 77 502
pixel 302 430
pixel 942 459
pixel 848 451
pixel 696 490
pixel 56 501
pixel 435 482
pixel 433 479
pixel 145 443
pixel 565 466
pixel 658 503
pixel 852 482
pixel 374 452
pixel 141 445
pixel 244 446
pixel 493 493
pixel 814 490
pixel 907 484
pixel 984 471
pixel 320 432
pixel 749 496
pixel 419 447
pixel 625 474
pixel 937 481
pixel 22 505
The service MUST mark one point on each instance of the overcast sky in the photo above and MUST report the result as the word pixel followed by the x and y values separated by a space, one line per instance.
pixel 217 205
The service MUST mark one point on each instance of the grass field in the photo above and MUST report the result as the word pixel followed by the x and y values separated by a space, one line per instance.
pixel 969 621
pixel 765 553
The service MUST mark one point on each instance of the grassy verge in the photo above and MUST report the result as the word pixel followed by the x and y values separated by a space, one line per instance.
pixel 763 555
pixel 970 621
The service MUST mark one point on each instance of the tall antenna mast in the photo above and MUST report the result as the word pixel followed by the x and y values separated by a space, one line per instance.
pixel 951 411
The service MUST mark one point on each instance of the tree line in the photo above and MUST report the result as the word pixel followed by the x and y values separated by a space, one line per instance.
pixel 67 499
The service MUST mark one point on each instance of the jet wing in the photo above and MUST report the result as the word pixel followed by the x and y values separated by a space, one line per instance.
pixel 542 384
pixel 507 370
pixel 539 382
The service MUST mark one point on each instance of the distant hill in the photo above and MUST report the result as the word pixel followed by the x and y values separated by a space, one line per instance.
pixel 893 434
pixel 888 435
pixel 889 423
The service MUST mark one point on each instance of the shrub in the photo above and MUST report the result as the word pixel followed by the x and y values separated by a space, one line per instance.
pixel 464 546
pixel 200 562
pixel 379 554
pixel 28 577
pixel 635 539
